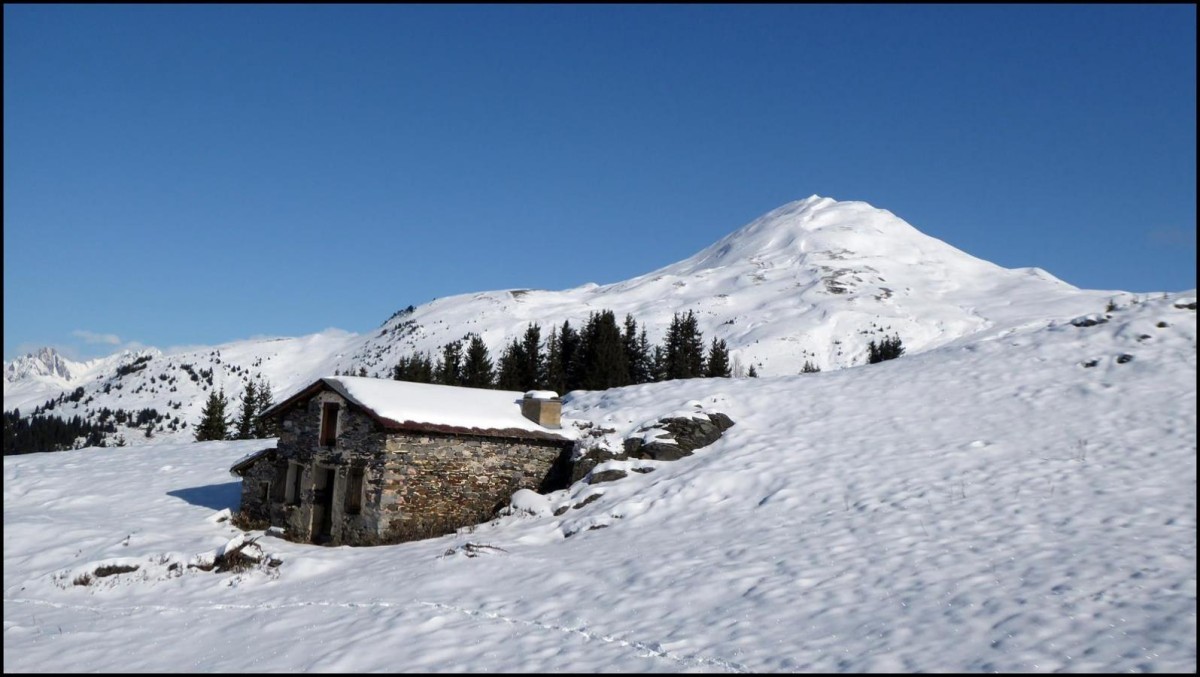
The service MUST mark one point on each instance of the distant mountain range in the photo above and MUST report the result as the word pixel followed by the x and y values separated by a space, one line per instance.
pixel 815 280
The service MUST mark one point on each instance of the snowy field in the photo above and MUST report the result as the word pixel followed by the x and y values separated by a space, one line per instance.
pixel 990 505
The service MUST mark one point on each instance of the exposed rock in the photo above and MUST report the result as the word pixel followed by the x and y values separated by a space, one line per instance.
pixel 591 459
pixel 590 499
pixel 689 435
pixel 605 476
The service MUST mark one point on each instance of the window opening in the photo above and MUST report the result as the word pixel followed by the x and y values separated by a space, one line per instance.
pixel 329 414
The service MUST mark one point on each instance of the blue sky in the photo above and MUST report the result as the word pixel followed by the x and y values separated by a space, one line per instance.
pixel 181 175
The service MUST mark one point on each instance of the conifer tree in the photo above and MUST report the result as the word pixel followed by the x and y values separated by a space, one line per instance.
pixel 603 353
pixel 245 421
pixel 449 368
pixel 508 372
pixel 684 350
pixel 809 368
pixel 417 368
pixel 214 425
pixel 264 427
pixel 552 365
pixel 752 373
pixel 563 360
pixel 658 364
pixel 888 349
pixel 400 371
pixel 532 375
pixel 637 352
pixel 421 368
pixel 718 360
pixel 477 370
pixel 522 365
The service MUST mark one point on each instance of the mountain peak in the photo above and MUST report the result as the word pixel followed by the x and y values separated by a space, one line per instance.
pixel 45 362
pixel 817 229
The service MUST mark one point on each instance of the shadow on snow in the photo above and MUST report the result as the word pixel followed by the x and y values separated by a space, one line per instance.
pixel 214 496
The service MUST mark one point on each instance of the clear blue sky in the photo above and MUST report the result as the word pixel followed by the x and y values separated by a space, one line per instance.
pixel 192 175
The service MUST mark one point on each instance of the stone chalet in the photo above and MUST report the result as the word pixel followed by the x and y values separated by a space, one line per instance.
pixel 364 461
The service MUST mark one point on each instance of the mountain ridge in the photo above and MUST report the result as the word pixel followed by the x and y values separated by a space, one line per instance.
pixel 814 280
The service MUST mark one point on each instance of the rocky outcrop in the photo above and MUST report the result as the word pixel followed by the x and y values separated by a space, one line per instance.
pixel 594 457
pixel 687 434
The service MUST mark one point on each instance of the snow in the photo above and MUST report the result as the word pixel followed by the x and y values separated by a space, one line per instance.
pixel 424 403
pixel 990 504
pixel 541 394
pixel 813 281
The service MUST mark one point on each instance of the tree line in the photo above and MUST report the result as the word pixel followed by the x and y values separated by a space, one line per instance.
pixel 216 424
pixel 50 433
pixel 598 355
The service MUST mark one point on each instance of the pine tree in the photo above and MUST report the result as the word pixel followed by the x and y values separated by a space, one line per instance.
pixel 637 352
pixel 684 349
pixel 417 368
pixel 264 427
pixel 449 369
pixel 477 371
pixel 508 372
pixel 552 365
pixel 532 372
pixel 421 368
pixel 752 373
pixel 888 349
pixel 562 368
pixel 718 360
pixel 658 364
pixel 809 368
pixel 603 353
pixel 522 365
pixel 245 421
pixel 400 371
pixel 214 425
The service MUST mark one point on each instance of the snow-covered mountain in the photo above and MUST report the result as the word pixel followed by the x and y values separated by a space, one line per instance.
pixel 1021 505
pixel 32 379
pixel 45 363
pixel 814 280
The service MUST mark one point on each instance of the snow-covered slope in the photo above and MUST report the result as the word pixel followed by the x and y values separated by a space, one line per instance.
pixel 814 280
pixel 31 379
pixel 1020 501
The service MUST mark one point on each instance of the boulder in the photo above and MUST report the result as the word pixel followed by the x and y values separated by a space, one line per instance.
pixel 594 457
pixel 689 435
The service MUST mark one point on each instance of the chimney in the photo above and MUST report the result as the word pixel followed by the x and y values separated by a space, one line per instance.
pixel 543 408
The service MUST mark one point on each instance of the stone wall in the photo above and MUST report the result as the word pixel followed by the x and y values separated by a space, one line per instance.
pixel 256 488
pixel 439 482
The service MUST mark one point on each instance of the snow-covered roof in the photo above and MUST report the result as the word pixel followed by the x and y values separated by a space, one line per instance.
pixel 239 466
pixel 402 405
